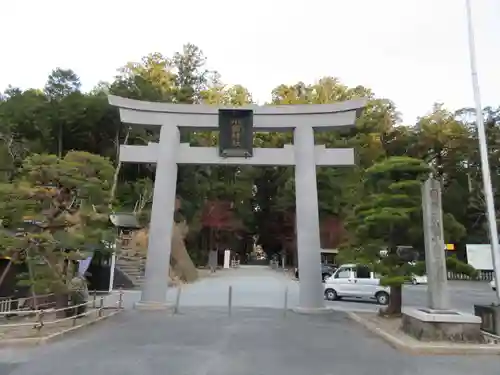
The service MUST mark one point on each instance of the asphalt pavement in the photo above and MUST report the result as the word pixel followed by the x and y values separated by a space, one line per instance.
pixel 206 341
pixel 259 286
pixel 255 337
pixel 463 295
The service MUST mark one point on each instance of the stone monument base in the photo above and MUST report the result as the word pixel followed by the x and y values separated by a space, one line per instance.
pixel 152 306
pixel 441 325
pixel 490 317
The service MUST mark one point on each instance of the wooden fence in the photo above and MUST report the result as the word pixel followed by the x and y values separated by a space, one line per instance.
pixel 40 318
pixel 44 301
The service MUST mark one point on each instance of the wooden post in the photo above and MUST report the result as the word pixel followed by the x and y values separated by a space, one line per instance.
pixel 120 299
pixel 39 321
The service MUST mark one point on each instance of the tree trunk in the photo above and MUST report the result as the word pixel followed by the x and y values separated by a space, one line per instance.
pixel 32 281
pixel 60 140
pixel 117 170
pixel 395 302
pixel 184 266
pixel 5 272
pixel 62 301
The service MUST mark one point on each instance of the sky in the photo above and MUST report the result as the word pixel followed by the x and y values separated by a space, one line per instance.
pixel 414 52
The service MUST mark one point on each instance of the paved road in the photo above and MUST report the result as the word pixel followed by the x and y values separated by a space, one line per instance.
pixel 259 286
pixel 257 339
pixel 250 342
pixel 463 296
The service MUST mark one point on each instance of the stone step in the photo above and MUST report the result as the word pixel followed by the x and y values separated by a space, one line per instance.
pixel 131 254
pixel 130 265
pixel 134 278
pixel 125 267
pixel 134 274
pixel 132 270
pixel 131 259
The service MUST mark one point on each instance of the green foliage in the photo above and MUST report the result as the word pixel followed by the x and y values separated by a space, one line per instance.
pixel 393 280
pixel 62 83
pixel 384 218
pixel 54 212
pixel 392 200
pixel 378 194
pixel 455 265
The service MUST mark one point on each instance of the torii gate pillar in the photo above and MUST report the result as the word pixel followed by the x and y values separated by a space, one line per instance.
pixel 307 220
pixel 303 154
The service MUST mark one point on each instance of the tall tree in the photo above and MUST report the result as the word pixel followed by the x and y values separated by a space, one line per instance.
pixel 61 83
pixel 338 189
pixel 191 75
pixel 152 79
pixel 60 117
pixel 61 203
pixel 386 219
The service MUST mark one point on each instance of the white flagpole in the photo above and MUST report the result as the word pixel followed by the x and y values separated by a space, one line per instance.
pixel 483 149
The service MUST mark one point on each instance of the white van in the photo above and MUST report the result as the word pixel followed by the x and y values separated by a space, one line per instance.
pixel 351 280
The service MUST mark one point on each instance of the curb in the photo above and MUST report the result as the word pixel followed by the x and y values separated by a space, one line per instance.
pixel 35 341
pixel 427 348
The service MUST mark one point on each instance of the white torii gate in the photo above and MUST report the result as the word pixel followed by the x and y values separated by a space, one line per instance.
pixel 303 155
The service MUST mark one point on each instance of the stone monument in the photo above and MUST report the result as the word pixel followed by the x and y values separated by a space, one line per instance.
pixel 236 127
pixel 437 321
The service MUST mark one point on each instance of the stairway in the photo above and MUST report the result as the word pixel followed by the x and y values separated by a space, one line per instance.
pixel 131 264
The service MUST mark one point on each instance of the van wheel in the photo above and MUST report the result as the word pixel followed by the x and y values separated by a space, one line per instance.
pixel 325 276
pixel 331 295
pixel 382 298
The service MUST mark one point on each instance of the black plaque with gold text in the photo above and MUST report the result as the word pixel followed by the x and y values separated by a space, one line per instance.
pixel 236 132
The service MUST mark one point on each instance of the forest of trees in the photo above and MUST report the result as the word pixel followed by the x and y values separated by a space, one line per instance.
pixel 52 121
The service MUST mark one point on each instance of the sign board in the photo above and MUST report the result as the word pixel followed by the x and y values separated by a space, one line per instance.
pixel 236 132
pixel 479 256
pixel 450 247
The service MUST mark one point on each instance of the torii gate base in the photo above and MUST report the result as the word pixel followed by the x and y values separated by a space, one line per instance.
pixel 303 154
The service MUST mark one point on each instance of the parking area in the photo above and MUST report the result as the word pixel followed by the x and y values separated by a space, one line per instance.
pixel 463 296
